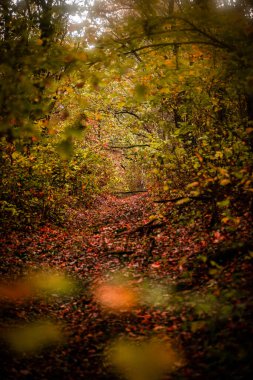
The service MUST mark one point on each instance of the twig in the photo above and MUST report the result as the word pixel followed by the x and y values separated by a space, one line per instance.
pixel 145 229
pixel 130 192
pixel 129 146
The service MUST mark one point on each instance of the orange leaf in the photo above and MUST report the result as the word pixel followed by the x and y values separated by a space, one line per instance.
pixel 116 297
pixel 199 157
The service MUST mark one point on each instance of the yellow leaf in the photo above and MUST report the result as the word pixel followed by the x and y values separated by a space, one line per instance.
pixel 33 337
pixel 39 42
pixel 224 182
pixel 182 201
pixel 237 220
pixel 248 183
pixel 70 90
pixel 195 193
pixel 223 172
pixel 218 154
pixel 193 184
pixel 147 359
pixel 15 154
pixel 98 116
pixel 164 91
pixel 52 283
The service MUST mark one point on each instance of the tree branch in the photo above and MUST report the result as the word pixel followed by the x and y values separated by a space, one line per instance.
pixel 211 39
pixel 130 192
pixel 164 44
pixel 216 41
pixel 127 112
pixel 129 146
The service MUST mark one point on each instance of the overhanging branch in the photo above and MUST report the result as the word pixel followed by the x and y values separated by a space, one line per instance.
pixel 127 112
pixel 129 146
pixel 164 44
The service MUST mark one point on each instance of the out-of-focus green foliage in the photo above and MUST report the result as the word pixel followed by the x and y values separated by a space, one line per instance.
pixel 33 58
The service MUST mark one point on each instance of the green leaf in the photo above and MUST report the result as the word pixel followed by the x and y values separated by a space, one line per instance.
pixel 65 148
pixel 140 91
pixel 224 203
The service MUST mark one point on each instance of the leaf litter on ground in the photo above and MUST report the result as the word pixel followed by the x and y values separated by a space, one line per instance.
pixel 112 275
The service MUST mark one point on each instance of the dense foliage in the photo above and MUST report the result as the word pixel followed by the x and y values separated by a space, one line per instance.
pixel 186 74
pixel 40 167
pixel 161 90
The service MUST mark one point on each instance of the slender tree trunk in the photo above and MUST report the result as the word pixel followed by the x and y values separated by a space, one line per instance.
pixel 6 17
pixel 171 7
pixel 249 102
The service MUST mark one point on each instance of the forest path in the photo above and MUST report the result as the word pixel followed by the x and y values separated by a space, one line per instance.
pixel 117 231
pixel 111 240
pixel 131 266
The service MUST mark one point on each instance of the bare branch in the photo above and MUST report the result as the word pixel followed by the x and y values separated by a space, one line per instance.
pixel 129 146
pixel 164 44
pixel 127 112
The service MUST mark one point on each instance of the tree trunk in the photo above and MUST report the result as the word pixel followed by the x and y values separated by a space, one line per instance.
pixel 171 7
pixel 249 102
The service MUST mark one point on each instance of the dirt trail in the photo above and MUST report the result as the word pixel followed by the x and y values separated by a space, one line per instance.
pixel 95 246
pixel 128 267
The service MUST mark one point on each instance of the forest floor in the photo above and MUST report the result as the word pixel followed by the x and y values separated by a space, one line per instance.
pixel 152 299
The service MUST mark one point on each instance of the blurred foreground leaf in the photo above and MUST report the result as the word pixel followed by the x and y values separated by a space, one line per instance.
pixel 37 284
pixel 33 337
pixel 116 297
pixel 52 283
pixel 16 291
pixel 146 360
